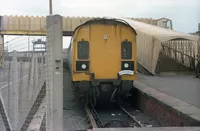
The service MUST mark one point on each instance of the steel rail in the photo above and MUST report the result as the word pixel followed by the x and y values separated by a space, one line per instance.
pixel 136 121
pixel 92 120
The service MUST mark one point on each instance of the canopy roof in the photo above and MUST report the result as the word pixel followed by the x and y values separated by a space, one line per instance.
pixel 158 32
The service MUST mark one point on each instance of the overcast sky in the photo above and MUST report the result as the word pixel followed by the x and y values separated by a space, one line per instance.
pixel 185 14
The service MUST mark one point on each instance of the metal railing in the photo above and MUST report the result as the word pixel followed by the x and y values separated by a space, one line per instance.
pixel 177 55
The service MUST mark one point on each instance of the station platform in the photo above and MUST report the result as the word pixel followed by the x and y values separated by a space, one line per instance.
pixel 182 86
pixel 148 129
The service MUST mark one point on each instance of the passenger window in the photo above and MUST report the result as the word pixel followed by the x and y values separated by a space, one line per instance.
pixel 126 50
pixel 83 50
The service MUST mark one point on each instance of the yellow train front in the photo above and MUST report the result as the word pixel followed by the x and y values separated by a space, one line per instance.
pixel 102 60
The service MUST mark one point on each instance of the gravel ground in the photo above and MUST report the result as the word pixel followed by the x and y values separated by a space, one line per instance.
pixel 74 113
pixel 2 127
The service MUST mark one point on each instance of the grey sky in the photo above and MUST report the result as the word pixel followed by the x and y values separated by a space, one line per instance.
pixel 185 14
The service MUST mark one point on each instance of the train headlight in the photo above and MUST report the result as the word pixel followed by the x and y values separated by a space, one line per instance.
pixel 83 66
pixel 126 65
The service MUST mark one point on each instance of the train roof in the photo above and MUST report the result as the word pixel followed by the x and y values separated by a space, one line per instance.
pixel 104 19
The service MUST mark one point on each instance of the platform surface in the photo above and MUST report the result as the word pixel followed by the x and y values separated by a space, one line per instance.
pixel 150 129
pixel 183 87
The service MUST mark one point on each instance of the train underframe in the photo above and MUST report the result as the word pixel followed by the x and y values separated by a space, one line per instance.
pixel 103 92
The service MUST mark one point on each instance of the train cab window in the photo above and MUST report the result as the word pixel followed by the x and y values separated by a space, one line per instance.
pixel 83 50
pixel 126 50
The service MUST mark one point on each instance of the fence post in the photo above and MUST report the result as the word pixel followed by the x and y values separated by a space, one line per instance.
pixel 54 115
pixel 1 51
pixel 15 92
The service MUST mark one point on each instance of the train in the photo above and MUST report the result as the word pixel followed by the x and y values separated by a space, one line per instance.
pixel 102 60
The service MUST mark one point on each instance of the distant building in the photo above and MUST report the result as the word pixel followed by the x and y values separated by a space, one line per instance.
pixel 39 45
pixel 196 33
pixel 164 23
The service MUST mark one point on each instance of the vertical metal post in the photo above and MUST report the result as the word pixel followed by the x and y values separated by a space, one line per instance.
pixel 1 51
pixel 29 46
pixel 54 74
pixel 15 92
pixel 198 47
pixel 50 7
pixel 171 24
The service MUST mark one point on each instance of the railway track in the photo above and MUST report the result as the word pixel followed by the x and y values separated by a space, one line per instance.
pixel 96 120
pixel 132 117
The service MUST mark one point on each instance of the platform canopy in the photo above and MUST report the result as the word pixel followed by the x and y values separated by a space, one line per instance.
pixel 160 33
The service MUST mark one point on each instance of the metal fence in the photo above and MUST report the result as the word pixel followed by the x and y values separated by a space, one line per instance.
pixel 32 70
pixel 22 79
